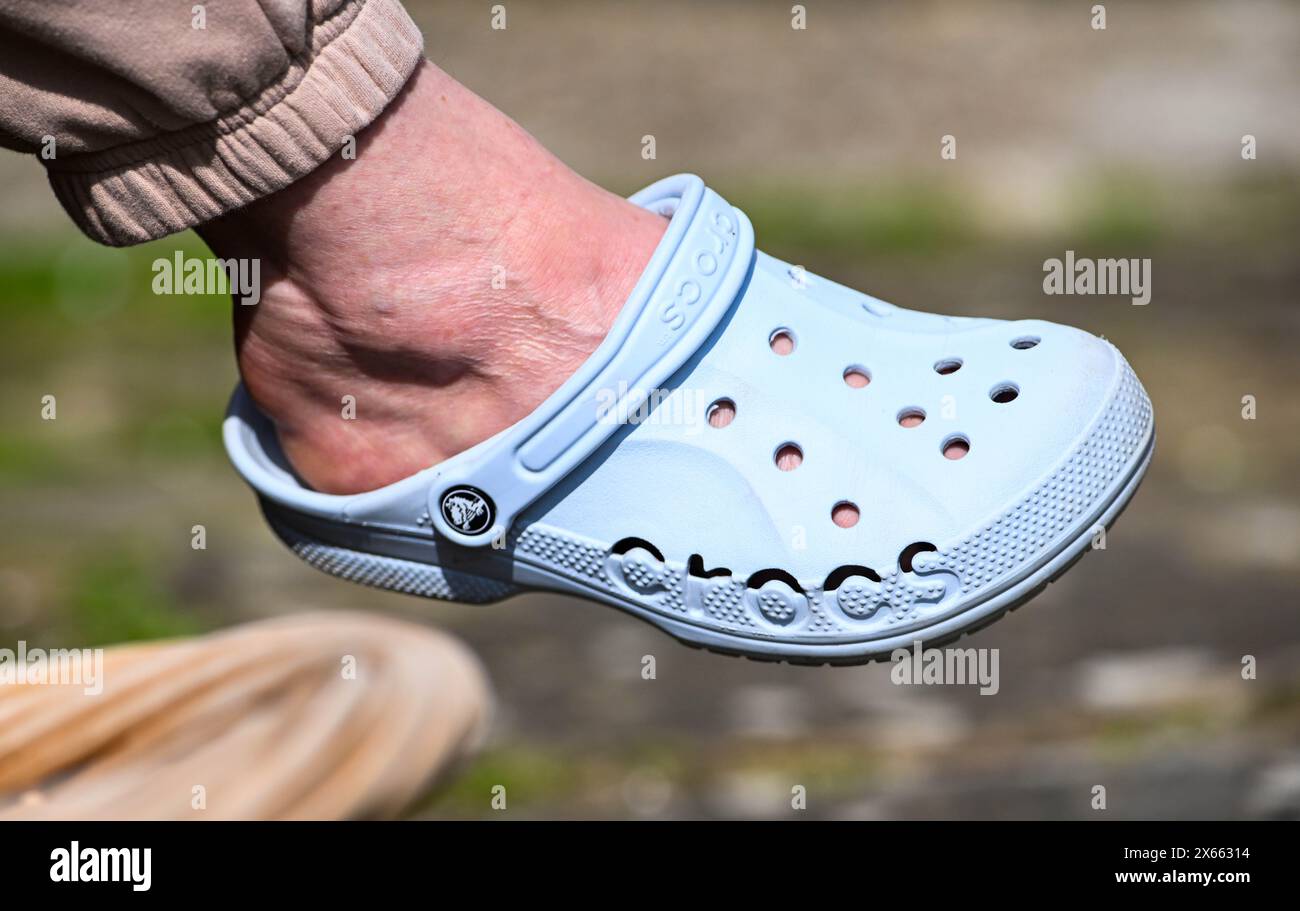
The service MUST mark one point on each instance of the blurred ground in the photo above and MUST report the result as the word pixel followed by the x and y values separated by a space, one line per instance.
pixel 1117 143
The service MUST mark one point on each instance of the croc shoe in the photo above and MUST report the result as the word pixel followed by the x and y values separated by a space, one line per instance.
pixel 759 461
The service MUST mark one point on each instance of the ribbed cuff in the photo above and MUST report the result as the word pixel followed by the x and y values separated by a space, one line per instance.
pixel 359 60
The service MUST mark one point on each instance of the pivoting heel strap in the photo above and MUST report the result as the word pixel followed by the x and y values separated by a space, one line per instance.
pixel 688 287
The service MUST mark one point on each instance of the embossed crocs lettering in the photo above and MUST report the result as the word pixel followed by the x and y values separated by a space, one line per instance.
pixel 759 461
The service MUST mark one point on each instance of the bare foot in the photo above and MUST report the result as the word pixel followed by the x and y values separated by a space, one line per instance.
pixel 449 278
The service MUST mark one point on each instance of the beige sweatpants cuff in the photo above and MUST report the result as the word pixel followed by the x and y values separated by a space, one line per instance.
pixel 357 62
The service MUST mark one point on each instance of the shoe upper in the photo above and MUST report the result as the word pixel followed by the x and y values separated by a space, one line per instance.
pixel 674 480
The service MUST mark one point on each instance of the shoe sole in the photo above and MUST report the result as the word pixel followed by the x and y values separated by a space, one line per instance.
pixel 321 544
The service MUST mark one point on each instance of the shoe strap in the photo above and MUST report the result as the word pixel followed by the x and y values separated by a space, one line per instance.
pixel 690 284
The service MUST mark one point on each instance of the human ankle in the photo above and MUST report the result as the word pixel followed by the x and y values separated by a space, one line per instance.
pixel 448 279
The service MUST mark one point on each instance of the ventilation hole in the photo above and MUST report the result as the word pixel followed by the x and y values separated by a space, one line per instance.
pixel 911 417
pixel 909 554
pixel 782 342
pixel 695 566
pixel 1026 342
pixel 857 377
pixel 948 365
pixel 763 576
pixel 956 448
pixel 845 514
pixel 1007 392
pixel 721 413
pixel 789 457
pixel 627 544
pixel 840 573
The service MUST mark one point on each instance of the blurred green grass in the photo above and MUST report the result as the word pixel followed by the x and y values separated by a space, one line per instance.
pixel 100 503
pixel 117 597
pixel 1107 213
pixel 134 375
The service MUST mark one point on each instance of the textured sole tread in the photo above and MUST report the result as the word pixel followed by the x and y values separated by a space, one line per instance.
pixel 434 581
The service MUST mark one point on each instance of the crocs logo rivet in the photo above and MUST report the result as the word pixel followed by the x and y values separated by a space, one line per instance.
pixel 468 509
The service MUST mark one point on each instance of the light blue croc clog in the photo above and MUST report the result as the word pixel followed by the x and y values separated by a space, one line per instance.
pixel 759 461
